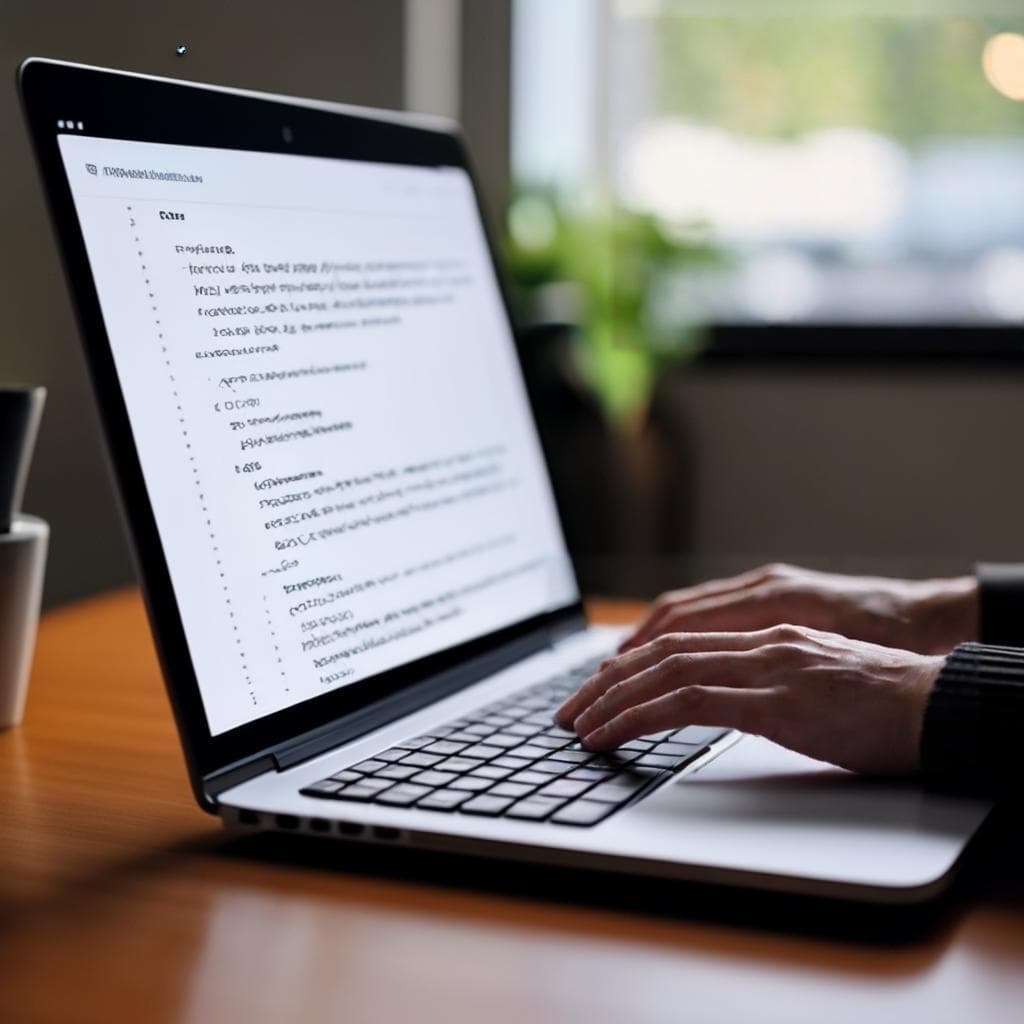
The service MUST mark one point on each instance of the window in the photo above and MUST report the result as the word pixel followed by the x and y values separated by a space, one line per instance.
pixel 853 163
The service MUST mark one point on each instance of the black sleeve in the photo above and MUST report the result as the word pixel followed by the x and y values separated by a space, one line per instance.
pixel 1001 604
pixel 974 720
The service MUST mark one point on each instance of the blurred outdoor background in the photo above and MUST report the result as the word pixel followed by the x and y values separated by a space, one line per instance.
pixel 767 259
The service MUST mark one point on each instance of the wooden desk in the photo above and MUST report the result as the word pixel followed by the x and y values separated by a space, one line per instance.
pixel 121 901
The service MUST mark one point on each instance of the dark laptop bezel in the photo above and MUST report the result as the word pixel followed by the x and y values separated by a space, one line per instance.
pixel 122 105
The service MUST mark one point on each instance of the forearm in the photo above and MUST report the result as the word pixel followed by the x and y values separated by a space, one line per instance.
pixel 974 720
pixel 1001 604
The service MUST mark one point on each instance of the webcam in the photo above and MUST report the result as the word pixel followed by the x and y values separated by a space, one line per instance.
pixel 287 134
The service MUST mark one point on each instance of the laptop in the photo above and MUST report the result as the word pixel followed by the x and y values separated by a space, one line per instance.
pixel 352 558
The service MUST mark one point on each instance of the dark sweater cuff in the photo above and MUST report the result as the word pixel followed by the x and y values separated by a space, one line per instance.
pixel 974 720
pixel 1001 603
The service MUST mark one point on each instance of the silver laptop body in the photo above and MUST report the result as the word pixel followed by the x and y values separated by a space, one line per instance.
pixel 348 540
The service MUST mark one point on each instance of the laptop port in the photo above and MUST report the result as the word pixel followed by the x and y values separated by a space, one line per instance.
pixel 350 828
pixel 286 821
pixel 319 824
pixel 383 832
pixel 248 818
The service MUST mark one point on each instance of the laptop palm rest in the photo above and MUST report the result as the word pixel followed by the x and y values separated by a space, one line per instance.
pixel 762 809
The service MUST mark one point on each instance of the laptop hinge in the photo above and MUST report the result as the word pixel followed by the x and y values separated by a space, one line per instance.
pixel 352 726
pixel 216 782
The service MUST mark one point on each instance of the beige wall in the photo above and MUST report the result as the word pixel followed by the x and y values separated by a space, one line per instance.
pixel 907 469
pixel 349 50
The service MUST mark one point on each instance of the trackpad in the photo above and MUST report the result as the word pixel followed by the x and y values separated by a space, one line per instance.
pixel 763 808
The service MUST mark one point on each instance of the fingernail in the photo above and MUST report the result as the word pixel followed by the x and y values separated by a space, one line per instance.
pixel 594 738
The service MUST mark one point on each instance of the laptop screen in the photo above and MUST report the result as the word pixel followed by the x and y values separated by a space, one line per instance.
pixel 328 410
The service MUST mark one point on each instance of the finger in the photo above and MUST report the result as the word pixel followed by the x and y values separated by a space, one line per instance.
pixel 622 667
pixel 757 608
pixel 747 710
pixel 664 605
pixel 699 592
pixel 729 669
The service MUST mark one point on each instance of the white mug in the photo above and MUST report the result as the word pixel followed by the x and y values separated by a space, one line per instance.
pixel 22 565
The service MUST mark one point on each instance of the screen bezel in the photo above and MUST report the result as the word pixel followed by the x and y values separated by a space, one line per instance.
pixel 122 105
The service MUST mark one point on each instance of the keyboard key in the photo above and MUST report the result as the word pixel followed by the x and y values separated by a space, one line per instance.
pixel 529 752
pixel 573 756
pixel 656 761
pixel 514 763
pixel 514 789
pixel 490 771
pixel 534 808
pixel 613 762
pixel 434 779
pixel 392 755
pixel 421 760
pixel 590 774
pixel 483 751
pixel 500 739
pixel 416 742
pixel 564 787
pixel 540 719
pixel 618 790
pixel 637 745
pixel 677 750
pixel 498 721
pixel 534 702
pixel 472 784
pixel 398 772
pixel 487 805
pixel 458 764
pixel 552 742
pixel 582 812
pixel 530 778
pixel 376 784
pixel 402 795
pixel 445 747
pixel 463 737
pixel 551 767
pixel 699 735
pixel 368 767
pixel 520 729
pixel 346 776
pixel 478 729
pixel 324 788
pixel 444 800
pixel 356 791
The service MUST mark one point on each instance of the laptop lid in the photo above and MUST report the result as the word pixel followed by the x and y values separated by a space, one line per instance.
pixel 309 386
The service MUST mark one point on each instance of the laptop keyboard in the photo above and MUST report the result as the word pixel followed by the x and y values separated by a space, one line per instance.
pixel 509 760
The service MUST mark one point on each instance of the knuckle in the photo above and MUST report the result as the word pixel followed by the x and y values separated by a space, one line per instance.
pixel 665 644
pixel 690 699
pixel 676 662
pixel 616 692
pixel 786 632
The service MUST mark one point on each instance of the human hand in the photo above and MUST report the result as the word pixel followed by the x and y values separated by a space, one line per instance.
pixel 927 616
pixel 854 704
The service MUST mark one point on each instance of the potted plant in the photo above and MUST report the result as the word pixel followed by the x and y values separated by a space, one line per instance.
pixel 593 287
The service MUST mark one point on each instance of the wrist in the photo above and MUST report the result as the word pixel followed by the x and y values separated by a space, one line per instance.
pixel 921 682
pixel 945 613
